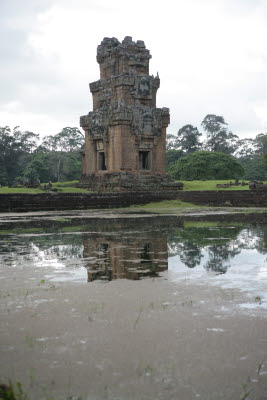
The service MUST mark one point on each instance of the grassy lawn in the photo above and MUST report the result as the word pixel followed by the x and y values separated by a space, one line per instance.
pixel 165 207
pixel 68 183
pixel 211 224
pixel 69 187
pixel 179 207
pixel 211 185
pixel 167 204
pixel 62 186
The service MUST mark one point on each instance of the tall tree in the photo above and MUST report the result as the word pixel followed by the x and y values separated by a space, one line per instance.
pixel 264 155
pixel 254 168
pixel 171 142
pixel 48 144
pixel 261 143
pixel 14 146
pixel 29 141
pixel 53 166
pixel 219 138
pixel 188 139
pixel 245 149
pixel 69 139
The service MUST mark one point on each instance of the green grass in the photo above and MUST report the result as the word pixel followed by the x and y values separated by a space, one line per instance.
pixel 15 391
pixel 200 224
pixel 166 206
pixel 211 224
pixel 12 392
pixel 76 228
pixel 67 183
pixel 69 187
pixel 65 189
pixel 6 189
pixel 17 231
pixel 211 185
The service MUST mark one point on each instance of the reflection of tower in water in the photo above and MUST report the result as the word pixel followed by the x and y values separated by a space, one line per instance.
pixel 109 259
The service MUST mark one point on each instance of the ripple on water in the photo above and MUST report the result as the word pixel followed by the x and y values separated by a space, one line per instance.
pixel 231 257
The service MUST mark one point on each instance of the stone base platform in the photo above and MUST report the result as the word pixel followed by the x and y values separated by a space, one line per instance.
pixel 128 181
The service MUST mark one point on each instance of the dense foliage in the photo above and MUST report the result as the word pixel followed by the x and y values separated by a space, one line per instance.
pixel 56 158
pixel 23 157
pixel 251 153
pixel 172 156
pixel 206 165
pixel 54 166
pixel 254 168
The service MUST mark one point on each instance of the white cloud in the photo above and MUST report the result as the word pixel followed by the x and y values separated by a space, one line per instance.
pixel 210 54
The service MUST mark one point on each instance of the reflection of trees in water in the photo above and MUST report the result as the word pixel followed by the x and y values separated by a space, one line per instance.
pixel 219 256
pixel 60 246
pixel 63 252
pixel 107 254
pixel 190 254
pixel 253 238
pixel 220 244
pixel 136 253
pixel 34 248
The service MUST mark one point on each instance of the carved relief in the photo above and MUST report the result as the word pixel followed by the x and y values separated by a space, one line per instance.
pixel 97 123
pixel 144 88
pixel 148 122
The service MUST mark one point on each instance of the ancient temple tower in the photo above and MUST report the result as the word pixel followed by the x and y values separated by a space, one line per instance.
pixel 125 134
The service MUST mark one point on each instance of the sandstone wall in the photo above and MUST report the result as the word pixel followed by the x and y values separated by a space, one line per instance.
pixel 71 201
pixel 125 132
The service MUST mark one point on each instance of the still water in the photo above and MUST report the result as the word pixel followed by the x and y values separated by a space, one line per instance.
pixel 135 309
pixel 230 255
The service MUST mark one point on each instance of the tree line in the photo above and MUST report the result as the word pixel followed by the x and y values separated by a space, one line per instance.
pixel 220 155
pixel 24 159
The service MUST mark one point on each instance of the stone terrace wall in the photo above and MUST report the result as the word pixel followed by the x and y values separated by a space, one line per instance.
pixel 235 198
pixel 72 201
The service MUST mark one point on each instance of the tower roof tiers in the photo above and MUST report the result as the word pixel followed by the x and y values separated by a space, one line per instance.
pixel 116 58
pixel 125 87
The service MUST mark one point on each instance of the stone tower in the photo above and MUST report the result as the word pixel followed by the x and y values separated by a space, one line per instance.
pixel 125 134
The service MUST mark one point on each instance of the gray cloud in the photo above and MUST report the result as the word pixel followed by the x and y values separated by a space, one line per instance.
pixel 208 63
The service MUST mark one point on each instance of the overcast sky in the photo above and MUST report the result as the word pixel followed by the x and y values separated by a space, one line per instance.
pixel 211 56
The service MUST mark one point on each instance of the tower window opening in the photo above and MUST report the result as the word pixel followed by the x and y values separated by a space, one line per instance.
pixel 101 161
pixel 145 160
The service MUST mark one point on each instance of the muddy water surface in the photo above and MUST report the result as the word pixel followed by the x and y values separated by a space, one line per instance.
pixel 130 311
